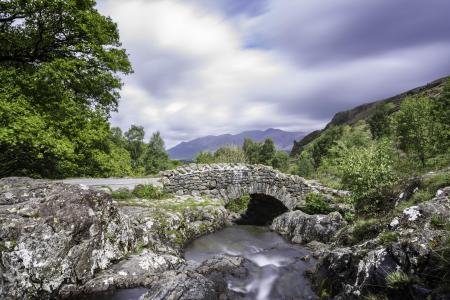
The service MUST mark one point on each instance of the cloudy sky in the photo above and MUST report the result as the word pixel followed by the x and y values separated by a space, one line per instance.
pixel 224 66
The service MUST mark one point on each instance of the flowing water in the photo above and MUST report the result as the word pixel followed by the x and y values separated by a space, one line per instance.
pixel 276 270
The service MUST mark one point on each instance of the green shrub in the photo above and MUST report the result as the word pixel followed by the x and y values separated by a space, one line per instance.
pixel 388 237
pixel 122 194
pixel 148 191
pixel 368 173
pixel 315 203
pixel 436 182
pixel 398 280
pixel 440 222
pixel 238 205
pixel 421 196
pixel 365 229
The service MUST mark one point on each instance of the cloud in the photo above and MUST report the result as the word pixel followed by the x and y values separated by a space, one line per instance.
pixel 211 67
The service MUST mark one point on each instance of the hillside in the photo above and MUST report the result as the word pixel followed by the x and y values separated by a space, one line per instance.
pixel 187 150
pixel 365 111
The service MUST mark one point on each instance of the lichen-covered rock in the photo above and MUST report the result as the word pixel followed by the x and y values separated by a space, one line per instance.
pixel 54 234
pixel 60 240
pixel 351 272
pixel 302 228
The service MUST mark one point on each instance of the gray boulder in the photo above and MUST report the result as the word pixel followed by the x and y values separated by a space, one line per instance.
pixel 302 228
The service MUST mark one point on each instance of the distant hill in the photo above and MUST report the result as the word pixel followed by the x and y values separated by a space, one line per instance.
pixel 187 150
pixel 365 111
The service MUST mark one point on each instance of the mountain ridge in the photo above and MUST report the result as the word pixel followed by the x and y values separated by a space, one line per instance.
pixel 187 150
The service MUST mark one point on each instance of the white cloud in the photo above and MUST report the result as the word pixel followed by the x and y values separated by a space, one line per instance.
pixel 194 74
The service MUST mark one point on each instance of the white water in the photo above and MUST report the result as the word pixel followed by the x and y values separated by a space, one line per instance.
pixel 275 270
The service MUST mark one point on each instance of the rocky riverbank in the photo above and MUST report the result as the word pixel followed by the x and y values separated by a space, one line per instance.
pixel 60 241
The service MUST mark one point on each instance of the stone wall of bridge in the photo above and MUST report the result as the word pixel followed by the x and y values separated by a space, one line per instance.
pixel 231 181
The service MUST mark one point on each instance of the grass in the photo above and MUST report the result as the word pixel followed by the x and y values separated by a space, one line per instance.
pixel 141 191
pixel 388 237
pixel 398 280
pixel 365 229
pixel 440 222
pixel 238 205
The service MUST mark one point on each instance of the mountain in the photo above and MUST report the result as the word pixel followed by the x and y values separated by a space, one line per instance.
pixel 187 150
pixel 365 111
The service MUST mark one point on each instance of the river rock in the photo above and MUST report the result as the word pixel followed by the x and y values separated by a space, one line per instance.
pixel 302 228
pixel 197 281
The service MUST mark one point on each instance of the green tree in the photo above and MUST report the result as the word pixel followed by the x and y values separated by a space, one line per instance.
pixel 135 144
pixel 59 80
pixel 155 157
pixel 305 165
pixel 379 122
pixel 441 115
pixel 415 128
pixel 204 158
pixel 280 161
pixel 252 151
pixel 230 154
pixel 267 151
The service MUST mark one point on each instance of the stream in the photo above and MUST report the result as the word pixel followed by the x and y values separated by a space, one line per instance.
pixel 276 269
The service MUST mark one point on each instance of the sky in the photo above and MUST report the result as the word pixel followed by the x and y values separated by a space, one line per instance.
pixel 205 67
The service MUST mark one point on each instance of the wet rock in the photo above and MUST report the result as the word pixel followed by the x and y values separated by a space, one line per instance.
pixel 197 281
pixel 302 228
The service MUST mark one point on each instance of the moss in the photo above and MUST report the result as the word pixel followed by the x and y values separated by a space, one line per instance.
pixel 365 229
pixel 389 237
pixel 238 205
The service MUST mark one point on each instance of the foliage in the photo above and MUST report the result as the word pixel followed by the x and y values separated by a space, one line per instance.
pixel 122 194
pixel 365 229
pixel 388 237
pixel 155 157
pixel 252 151
pixel 415 128
pixel 379 122
pixel 315 203
pixel 230 154
pixel 148 191
pixel 398 280
pixel 305 165
pixel 238 205
pixel 368 173
pixel 280 161
pixel 135 144
pixel 205 158
pixel 59 65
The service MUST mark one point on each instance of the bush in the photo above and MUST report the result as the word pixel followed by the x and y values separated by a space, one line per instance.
pixel 365 229
pixel 148 191
pixel 238 205
pixel 388 237
pixel 122 194
pixel 368 173
pixel 398 280
pixel 315 204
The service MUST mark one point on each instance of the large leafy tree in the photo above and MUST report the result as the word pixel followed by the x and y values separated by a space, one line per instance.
pixel 60 62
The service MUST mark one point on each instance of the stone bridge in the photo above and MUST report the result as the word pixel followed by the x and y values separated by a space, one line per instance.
pixel 231 181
